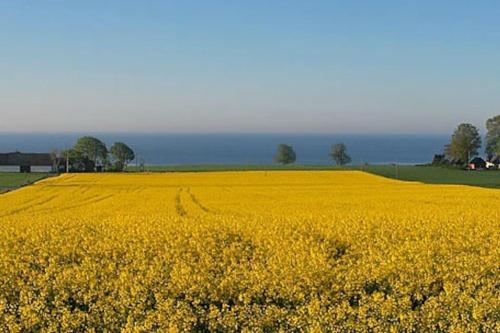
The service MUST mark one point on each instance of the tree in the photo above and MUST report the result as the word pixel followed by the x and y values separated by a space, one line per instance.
pixel 439 159
pixel 339 154
pixel 465 142
pixel 285 154
pixel 76 161
pixel 122 154
pixel 92 148
pixel 492 136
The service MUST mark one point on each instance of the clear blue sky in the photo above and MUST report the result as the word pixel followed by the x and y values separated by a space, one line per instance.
pixel 248 66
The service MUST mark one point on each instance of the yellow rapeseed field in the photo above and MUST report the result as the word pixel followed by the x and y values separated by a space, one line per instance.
pixel 248 251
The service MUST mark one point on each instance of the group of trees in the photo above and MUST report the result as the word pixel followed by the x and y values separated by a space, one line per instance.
pixel 466 142
pixel 338 152
pixel 91 154
pixel 493 137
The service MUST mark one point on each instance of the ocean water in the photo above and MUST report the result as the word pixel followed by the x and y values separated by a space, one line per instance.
pixel 171 149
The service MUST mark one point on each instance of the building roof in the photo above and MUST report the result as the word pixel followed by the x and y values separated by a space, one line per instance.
pixel 33 159
pixel 477 160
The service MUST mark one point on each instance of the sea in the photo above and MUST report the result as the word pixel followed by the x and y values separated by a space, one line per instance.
pixel 175 149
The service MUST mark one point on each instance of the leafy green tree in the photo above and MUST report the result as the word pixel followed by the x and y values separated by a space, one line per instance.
pixel 285 154
pixel 77 162
pixel 122 154
pixel 92 148
pixel 439 159
pixel 492 136
pixel 71 155
pixel 465 142
pixel 339 154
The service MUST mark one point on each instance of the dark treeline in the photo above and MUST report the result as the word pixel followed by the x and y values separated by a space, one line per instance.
pixel 90 154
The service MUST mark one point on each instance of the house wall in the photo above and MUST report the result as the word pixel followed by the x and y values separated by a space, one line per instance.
pixel 10 168
pixel 17 168
pixel 41 168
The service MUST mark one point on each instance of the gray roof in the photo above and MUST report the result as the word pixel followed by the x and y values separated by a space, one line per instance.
pixel 477 160
pixel 33 159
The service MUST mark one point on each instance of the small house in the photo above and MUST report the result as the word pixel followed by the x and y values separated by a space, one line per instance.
pixel 494 163
pixel 477 163
pixel 20 162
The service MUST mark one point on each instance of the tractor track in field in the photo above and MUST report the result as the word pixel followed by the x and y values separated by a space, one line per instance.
pixel 29 206
pixel 178 204
pixel 186 193
pixel 197 202
pixel 88 201
pixel 82 203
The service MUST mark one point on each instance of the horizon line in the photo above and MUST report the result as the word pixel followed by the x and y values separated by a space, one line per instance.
pixel 308 133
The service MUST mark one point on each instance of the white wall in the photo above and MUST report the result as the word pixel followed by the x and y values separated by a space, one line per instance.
pixel 41 168
pixel 9 168
pixel 16 168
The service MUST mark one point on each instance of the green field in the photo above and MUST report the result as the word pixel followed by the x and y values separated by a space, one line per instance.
pixel 438 175
pixel 425 174
pixel 11 181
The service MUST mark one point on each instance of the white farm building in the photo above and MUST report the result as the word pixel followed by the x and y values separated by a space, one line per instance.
pixel 19 162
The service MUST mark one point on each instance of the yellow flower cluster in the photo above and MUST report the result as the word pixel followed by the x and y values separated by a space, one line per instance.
pixel 248 251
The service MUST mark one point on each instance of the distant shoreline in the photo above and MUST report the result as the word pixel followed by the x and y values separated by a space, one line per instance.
pixel 232 149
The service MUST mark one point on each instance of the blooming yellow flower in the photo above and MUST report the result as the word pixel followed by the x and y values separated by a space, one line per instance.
pixel 248 251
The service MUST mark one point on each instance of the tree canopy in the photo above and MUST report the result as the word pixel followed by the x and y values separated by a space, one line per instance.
pixel 285 154
pixel 122 154
pixel 492 136
pixel 465 142
pixel 77 162
pixel 92 148
pixel 90 154
pixel 339 154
